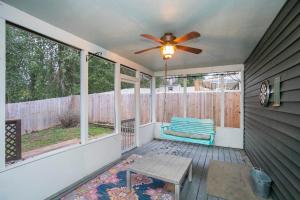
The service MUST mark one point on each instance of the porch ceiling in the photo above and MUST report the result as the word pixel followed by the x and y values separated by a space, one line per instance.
pixel 230 29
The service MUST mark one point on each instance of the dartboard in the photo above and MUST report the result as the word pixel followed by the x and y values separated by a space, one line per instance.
pixel 264 93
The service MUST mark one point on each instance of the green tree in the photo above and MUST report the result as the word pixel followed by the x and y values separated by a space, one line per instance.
pixel 101 75
pixel 38 67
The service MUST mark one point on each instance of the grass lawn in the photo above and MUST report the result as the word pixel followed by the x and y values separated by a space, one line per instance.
pixel 56 135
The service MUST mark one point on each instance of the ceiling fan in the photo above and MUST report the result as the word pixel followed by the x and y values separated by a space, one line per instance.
pixel 169 44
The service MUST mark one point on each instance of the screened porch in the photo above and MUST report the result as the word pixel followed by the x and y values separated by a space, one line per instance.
pixel 85 95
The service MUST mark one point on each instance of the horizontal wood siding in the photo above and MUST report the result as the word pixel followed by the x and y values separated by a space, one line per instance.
pixel 272 134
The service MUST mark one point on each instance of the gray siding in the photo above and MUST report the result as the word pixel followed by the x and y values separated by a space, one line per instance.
pixel 272 134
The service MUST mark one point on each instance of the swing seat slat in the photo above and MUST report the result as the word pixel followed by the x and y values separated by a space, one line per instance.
pixel 200 131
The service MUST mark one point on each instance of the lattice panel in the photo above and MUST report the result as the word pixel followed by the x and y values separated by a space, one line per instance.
pixel 12 140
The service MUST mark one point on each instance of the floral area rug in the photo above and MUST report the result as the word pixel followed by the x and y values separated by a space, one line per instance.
pixel 111 185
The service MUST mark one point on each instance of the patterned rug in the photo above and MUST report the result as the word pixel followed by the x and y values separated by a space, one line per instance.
pixel 111 185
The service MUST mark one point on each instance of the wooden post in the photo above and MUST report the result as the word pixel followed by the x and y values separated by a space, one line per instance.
pixel 84 95
pixel 18 139
pixel 117 99
pixel 137 107
pixel 2 93
pixel 153 100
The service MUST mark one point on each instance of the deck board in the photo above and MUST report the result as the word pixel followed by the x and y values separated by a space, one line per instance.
pixel 202 195
pixel 232 156
pixel 190 188
pixel 201 156
pixel 221 154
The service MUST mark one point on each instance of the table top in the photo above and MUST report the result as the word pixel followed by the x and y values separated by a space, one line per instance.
pixel 168 168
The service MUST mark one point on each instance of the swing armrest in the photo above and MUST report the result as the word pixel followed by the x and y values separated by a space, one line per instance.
pixel 164 128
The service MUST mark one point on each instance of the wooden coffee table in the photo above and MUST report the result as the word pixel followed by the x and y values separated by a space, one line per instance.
pixel 167 168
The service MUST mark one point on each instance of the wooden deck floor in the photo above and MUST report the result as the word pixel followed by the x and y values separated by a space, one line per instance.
pixel 201 155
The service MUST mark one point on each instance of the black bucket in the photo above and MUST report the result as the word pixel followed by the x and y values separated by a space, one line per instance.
pixel 260 182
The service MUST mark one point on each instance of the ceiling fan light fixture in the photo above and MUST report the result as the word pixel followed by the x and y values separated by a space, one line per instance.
pixel 167 51
pixel 170 43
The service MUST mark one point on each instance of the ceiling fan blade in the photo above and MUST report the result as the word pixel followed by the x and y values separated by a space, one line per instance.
pixel 157 47
pixel 189 49
pixel 150 37
pixel 187 37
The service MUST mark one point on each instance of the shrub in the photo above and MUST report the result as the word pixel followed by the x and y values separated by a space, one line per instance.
pixel 69 119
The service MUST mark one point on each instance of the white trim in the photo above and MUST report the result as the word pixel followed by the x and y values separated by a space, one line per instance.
pixel 137 107
pixel 128 79
pixel 84 98
pixel 144 125
pixel 153 100
pixel 117 98
pixel 242 101
pixel 187 71
pixel 2 93
pixel 53 153
pixel 21 18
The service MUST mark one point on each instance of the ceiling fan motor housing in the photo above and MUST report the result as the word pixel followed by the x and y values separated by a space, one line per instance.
pixel 168 37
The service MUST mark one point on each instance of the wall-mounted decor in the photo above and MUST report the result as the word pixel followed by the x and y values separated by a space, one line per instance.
pixel 276 92
pixel 264 93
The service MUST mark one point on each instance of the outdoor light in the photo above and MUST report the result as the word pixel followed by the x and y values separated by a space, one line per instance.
pixel 167 51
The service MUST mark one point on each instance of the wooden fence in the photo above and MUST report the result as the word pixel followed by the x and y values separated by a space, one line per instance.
pixel 43 114
pixel 201 105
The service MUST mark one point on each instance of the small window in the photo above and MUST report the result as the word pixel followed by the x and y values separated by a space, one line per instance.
pixel 232 81
pixel 145 98
pixel 42 94
pixel 127 71
pixel 101 97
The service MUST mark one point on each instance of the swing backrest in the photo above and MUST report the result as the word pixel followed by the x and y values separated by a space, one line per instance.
pixel 192 125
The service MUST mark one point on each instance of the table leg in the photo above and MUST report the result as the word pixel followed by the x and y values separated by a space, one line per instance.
pixel 177 191
pixel 190 173
pixel 128 179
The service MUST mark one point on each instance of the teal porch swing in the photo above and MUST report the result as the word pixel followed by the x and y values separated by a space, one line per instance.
pixel 199 131
pixel 192 130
